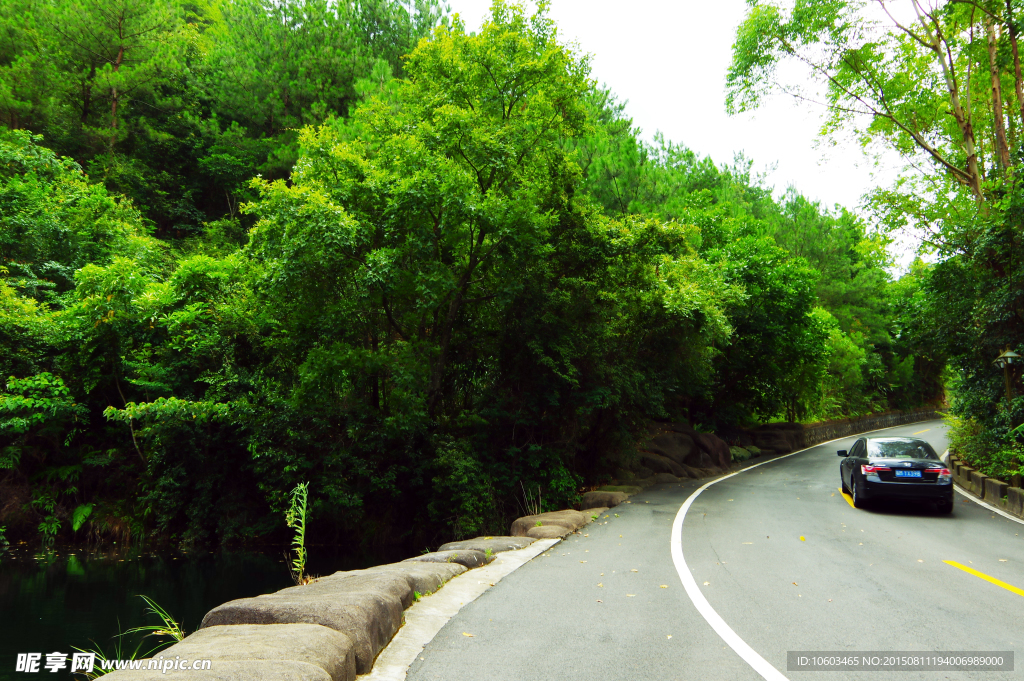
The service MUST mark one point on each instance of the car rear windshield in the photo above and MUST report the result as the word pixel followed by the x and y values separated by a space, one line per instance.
pixel 894 449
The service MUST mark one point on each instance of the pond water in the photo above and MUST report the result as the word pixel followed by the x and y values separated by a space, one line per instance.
pixel 70 599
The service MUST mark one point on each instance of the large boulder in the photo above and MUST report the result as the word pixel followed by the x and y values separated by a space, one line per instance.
pixel 569 519
pixel 424 577
pixel 678 447
pixel 692 472
pixel 470 559
pixel 548 532
pixel 779 437
pixel 368 617
pixel 599 499
pixel 492 544
pixel 716 449
pixel 661 464
pixel 641 472
pixel 330 650
pixel 665 477
pixel 394 585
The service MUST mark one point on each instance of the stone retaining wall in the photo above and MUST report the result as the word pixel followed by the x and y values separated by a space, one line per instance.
pixel 831 430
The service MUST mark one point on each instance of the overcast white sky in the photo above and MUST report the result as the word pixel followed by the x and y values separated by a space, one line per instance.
pixel 669 60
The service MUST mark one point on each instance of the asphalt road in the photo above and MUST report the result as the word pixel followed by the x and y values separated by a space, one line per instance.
pixel 609 604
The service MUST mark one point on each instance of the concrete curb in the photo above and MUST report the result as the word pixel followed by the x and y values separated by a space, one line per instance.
pixel 427 616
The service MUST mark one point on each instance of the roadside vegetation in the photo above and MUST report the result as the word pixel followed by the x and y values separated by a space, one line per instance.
pixel 941 85
pixel 425 267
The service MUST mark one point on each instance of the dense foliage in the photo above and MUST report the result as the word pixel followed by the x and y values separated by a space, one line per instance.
pixel 941 84
pixel 428 286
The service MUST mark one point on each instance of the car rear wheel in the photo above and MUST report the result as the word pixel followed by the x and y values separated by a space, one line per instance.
pixel 858 497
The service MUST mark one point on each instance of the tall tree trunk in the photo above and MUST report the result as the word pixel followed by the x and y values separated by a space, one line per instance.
pixel 87 94
pixel 1017 81
pixel 963 119
pixel 113 98
pixel 445 337
pixel 1002 147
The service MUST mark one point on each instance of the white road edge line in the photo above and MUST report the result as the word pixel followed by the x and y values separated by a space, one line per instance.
pixel 749 655
pixel 987 505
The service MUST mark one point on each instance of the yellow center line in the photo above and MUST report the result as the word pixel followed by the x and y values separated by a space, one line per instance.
pixel 982 575
pixel 921 431
pixel 846 496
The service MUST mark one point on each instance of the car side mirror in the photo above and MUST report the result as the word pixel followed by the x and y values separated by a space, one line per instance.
pixel 843 452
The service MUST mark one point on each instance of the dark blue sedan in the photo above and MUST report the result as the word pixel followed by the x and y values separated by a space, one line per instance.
pixel 895 468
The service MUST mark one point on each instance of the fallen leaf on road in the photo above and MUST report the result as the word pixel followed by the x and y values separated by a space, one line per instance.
pixel 664 586
pixel 469 635
pixel 669 636
pixel 861 544
pixel 707 583
pixel 630 595
pixel 802 538
pixel 600 584
pixel 795 584
pixel 732 500
pixel 830 600
pixel 583 561
pixel 919 560
pixel 748 542
pixel 634 570
pixel 599 600
pixel 620 536
pixel 1002 560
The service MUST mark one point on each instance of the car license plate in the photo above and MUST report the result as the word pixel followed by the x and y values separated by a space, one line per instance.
pixel 908 474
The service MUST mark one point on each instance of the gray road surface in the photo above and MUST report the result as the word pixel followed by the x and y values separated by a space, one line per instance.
pixel 608 604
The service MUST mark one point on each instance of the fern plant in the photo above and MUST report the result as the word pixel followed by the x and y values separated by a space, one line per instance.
pixel 296 519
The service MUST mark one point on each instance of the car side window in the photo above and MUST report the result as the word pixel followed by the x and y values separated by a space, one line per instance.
pixel 858 449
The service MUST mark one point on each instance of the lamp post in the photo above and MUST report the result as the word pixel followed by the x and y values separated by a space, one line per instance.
pixel 1004 362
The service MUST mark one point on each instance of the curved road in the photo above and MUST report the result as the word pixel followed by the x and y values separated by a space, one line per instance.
pixel 609 604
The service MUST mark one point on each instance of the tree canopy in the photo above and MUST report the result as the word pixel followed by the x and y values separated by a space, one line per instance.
pixel 247 245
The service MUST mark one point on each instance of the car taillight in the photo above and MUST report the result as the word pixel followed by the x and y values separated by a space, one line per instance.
pixel 944 473
pixel 868 468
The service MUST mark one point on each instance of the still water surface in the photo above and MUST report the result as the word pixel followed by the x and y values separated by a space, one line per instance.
pixel 66 599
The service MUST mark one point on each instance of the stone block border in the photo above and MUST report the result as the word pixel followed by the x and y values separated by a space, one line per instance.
pixel 336 627
pixel 1002 495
